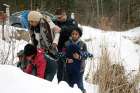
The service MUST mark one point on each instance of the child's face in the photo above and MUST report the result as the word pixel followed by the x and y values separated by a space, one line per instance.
pixel 75 35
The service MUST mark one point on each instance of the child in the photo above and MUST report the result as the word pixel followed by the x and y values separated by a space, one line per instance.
pixel 37 60
pixel 75 65
pixel 39 65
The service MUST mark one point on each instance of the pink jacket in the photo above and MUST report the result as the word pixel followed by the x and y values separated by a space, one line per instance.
pixel 40 63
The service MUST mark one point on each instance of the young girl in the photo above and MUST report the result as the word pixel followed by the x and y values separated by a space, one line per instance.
pixel 75 64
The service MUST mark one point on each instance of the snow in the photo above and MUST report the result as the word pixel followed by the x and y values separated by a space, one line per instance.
pixel 8 50
pixel 9 31
pixel 13 80
pixel 132 34
pixel 122 47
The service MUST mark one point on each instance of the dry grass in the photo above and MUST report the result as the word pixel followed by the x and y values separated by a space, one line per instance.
pixel 105 23
pixel 111 78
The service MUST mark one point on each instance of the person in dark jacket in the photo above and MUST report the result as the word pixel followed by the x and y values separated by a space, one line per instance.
pixel 66 24
pixel 75 65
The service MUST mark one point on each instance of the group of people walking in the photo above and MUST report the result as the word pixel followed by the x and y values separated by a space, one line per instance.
pixel 55 47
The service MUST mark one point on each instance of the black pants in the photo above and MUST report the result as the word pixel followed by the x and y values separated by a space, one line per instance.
pixel 74 74
pixel 79 82
pixel 51 70
pixel 61 72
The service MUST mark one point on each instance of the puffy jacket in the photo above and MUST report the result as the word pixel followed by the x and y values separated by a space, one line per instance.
pixel 39 62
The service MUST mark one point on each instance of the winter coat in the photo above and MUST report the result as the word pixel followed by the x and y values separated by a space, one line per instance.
pixel 81 47
pixel 66 28
pixel 75 68
pixel 39 62
pixel 72 69
pixel 47 26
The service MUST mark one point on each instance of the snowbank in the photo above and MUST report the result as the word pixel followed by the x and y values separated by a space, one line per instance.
pixel 13 80
pixel 133 35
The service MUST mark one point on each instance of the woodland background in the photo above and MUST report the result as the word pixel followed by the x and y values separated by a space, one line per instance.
pixel 103 14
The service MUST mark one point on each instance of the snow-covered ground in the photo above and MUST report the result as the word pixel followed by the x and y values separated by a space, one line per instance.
pixel 13 80
pixel 121 46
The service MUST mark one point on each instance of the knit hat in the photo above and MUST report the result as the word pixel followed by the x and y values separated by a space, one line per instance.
pixel 29 50
pixel 77 29
pixel 34 16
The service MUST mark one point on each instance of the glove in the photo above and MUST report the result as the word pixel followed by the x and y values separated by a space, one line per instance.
pixel 85 55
